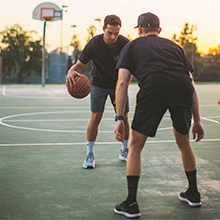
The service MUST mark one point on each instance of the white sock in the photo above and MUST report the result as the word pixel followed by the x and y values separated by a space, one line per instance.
pixel 124 144
pixel 90 146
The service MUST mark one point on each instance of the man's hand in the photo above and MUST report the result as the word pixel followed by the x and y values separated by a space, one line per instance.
pixel 198 131
pixel 74 70
pixel 70 81
pixel 119 130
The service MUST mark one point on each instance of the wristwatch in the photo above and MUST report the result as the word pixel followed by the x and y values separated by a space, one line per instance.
pixel 119 117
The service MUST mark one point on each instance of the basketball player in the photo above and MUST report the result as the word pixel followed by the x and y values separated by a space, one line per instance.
pixel 103 50
pixel 164 75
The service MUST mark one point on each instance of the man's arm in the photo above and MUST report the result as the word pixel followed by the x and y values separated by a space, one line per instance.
pixel 197 129
pixel 74 70
pixel 124 78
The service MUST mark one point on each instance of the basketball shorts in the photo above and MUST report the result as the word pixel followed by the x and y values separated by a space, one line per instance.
pixel 146 121
pixel 98 98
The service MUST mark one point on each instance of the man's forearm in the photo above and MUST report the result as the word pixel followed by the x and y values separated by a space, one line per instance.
pixel 196 110
pixel 122 90
pixel 121 96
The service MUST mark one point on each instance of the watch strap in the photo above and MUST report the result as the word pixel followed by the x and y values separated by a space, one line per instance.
pixel 119 117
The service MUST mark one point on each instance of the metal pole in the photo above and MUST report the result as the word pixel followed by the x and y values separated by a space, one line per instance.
pixel 0 70
pixel 192 55
pixel 194 27
pixel 61 34
pixel 43 56
pixel 99 20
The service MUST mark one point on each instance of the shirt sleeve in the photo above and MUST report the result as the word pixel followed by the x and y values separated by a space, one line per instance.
pixel 86 54
pixel 187 63
pixel 125 59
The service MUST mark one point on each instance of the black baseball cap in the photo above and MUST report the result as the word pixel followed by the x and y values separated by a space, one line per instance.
pixel 148 20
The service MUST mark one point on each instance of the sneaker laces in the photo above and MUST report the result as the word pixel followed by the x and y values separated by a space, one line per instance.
pixel 90 157
pixel 124 152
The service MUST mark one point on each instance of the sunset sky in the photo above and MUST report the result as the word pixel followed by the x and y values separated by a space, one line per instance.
pixel 173 15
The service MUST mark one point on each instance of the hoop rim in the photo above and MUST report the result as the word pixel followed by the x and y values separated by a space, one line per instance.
pixel 47 18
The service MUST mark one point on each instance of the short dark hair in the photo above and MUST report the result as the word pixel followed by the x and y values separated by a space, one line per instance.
pixel 112 20
pixel 149 29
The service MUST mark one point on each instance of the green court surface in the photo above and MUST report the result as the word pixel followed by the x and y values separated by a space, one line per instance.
pixel 43 146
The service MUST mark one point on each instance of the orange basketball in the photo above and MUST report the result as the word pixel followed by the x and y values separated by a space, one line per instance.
pixel 82 88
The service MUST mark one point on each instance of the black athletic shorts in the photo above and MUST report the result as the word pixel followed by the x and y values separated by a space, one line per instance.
pixel 98 98
pixel 146 121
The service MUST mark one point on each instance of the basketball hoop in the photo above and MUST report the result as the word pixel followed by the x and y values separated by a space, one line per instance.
pixel 46 12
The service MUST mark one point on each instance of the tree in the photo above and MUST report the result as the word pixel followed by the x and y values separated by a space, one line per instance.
pixel 213 62
pixel 91 32
pixel 75 43
pixel 21 54
pixel 214 51
pixel 129 37
pixel 188 42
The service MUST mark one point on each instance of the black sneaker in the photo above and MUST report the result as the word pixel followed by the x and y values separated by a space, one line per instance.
pixel 130 211
pixel 193 199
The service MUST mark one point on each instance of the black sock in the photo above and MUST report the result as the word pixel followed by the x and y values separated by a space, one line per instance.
pixel 132 183
pixel 191 176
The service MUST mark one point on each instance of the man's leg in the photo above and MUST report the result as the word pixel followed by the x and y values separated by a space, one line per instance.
pixel 188 156
pixel 92 132
pixel 129 208
pixel 134 157
pixel 191 196
pixel 93 125
pixel 134 164
pixel 124 145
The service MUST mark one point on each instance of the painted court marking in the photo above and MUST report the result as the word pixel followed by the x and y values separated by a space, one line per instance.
pixel 97 143
pixel 4 121
pixel 3 91
pixel 208 119
pixel 65 96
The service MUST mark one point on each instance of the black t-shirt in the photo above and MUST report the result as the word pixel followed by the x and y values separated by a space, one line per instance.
pixel 162 70
pixel 104 60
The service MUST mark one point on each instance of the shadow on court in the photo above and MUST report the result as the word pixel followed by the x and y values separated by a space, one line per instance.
pixel 43 146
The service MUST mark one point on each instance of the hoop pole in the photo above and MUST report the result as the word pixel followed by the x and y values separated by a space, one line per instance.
pixel 43 56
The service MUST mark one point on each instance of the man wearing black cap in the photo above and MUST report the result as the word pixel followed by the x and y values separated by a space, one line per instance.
pixel 164 76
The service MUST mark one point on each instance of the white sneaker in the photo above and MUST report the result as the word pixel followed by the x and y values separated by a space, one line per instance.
pixel 89 161
pixel 123 154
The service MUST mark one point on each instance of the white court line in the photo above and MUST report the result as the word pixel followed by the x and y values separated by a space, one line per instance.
pixel 38 97
pixel 3 91
pixel 208 119
pixel 97 143
pixel 58 120
pixel 4 120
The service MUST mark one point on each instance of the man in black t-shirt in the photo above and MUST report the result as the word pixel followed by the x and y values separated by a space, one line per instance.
pixel 164 76
pixel 103 50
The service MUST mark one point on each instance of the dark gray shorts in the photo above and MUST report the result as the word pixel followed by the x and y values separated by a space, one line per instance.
pixel 98 98
pixel 146 121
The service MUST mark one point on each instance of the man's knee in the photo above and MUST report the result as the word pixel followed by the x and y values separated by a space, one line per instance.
pixel 96 117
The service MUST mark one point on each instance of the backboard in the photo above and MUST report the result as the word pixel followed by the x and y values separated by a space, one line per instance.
pixel 47 11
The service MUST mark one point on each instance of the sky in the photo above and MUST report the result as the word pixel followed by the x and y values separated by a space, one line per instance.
pixel 173 15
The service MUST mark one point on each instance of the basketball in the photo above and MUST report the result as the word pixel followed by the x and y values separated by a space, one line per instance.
pixel 82 88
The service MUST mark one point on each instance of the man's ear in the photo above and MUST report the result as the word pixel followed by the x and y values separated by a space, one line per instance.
pixel 140 31
pixel 159 30
pixel 103 28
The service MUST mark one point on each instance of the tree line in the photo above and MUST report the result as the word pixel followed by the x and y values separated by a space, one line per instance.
pixel 22 55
